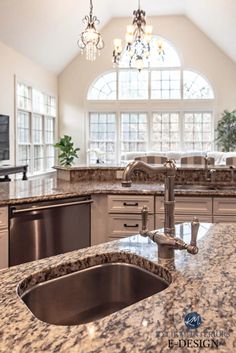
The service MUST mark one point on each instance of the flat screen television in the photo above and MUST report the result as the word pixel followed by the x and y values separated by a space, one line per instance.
pixel 4 138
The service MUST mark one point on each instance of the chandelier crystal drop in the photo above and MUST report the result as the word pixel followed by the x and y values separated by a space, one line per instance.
pixel 90 40
pixel 138 37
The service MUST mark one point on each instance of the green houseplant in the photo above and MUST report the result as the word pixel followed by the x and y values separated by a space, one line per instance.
pixel 226 131
pixel 67 152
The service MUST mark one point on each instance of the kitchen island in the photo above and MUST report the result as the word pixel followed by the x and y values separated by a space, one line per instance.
pixel 50 188
pixel 204 283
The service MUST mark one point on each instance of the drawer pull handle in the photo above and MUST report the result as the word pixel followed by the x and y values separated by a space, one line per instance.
pixel 130 203
pixel 131 225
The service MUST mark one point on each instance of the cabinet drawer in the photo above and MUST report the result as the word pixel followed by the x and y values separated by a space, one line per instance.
pixel 188 205
pixel 224 219
pixel 125 225
pixel 182 219
pixel 224 206
pixel 3 217
pixel 129 203
pixel 3 249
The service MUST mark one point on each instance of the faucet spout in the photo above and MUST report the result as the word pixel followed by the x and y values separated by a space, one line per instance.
pixel 139 166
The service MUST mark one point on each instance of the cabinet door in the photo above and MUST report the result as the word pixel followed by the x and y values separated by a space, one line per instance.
pixel 224 206
pixel 224 219
pixel 99 221
pixel 181 219
pixel 130 203
pixel 3 218
pixel 3 249
pixel 188 205
pixel 126 225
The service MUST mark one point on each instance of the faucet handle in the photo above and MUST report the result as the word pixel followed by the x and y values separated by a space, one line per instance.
pixel 192 247
pixel 144 213
pixel 194 231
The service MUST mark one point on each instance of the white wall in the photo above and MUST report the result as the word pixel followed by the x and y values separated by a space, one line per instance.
pixel 196 50
pixel 14 64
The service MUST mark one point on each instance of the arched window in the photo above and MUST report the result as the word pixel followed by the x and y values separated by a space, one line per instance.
pixel 104 88
pixel 196 86
pixel 174 112
pixel 150 84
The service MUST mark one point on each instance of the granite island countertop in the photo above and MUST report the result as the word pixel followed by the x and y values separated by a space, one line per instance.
pixel 50 188
pixel 204 283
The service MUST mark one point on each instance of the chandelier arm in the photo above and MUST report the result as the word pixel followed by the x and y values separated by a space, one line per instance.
pixel 95 20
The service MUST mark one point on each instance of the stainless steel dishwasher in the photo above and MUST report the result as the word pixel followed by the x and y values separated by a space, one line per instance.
pixel 39 230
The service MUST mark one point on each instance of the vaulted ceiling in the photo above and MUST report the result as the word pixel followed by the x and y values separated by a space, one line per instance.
pixel 47 31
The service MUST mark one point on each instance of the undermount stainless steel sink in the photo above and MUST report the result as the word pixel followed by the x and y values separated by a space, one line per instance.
pixel 204 187
pixel 92 293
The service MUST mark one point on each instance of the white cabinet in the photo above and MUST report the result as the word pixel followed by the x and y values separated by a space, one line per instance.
pixel 187 205
pixel 224 210
pixel 118 216
pixel 181 219
pixel 124 214
pixel 224 219
pixel 3 218
pixel 224 206
pixel 124 225
pixel 185 209
pixel 130 203
pixel 3 249
pixel 99 220
pixel 4 237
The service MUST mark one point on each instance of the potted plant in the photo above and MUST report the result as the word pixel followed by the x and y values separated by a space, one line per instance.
pixel 67 152
pixel 226 131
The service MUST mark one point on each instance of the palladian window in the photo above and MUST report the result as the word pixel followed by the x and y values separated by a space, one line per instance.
pixel 164 107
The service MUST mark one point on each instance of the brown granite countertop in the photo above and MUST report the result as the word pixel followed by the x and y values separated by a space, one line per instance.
pixel 204 283
pixel 122 166
pixel 50 188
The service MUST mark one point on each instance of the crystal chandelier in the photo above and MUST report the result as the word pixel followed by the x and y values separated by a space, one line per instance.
pixel 138 37
pixel 90 40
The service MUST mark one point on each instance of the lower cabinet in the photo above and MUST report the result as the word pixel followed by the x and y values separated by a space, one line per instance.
pixel 118 216
pixel 181 219
pixel 224 206
pixel 224 210
pixel 224 219
pixel 125 225
pixel 124 214
pixel 3 249
pixel 186 208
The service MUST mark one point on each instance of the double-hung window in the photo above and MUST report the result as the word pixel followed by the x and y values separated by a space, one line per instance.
pixel 164 107
pixel 35 128
pixel 102 132
pixel 134 130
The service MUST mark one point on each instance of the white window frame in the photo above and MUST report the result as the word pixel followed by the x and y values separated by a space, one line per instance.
pixel 31 171
pixel 149 107
pixel 152 105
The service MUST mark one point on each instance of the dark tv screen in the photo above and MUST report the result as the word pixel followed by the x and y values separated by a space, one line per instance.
pixel 4 137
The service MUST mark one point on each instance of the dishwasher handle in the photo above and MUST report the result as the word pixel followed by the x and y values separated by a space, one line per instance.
pixel 41 208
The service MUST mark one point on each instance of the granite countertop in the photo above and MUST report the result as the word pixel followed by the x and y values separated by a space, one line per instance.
pixel 204 283
pixel 122 166
pixel 51 188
